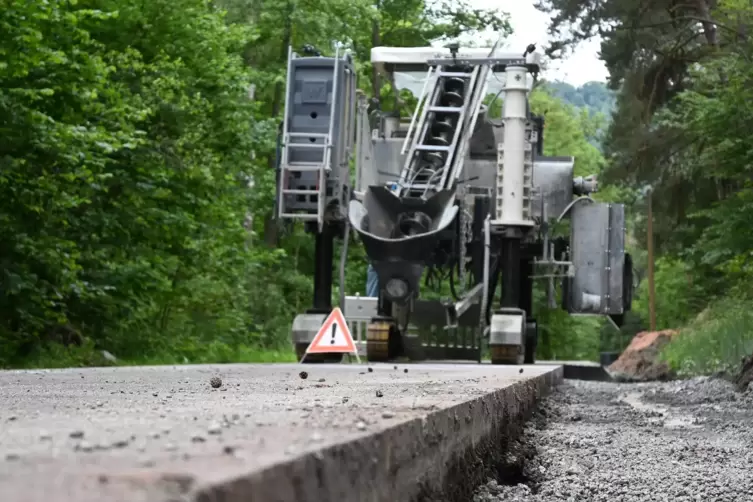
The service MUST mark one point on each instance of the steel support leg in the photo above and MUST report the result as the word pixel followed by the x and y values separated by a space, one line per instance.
pixel 507 342
pixel 323 254
pixel 324 248
pixel 510 273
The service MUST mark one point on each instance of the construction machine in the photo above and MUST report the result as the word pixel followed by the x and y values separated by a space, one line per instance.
pixel 451 194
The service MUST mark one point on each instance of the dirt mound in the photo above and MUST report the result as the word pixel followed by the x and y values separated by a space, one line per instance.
pixel 745 377
pixel 640 360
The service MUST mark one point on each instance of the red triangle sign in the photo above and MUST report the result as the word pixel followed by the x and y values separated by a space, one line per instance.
pixel 333 337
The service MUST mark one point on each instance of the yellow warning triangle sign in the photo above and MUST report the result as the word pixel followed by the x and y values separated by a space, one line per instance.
pixel 333 337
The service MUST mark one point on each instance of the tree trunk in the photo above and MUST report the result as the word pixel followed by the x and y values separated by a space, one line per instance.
pixel 709 28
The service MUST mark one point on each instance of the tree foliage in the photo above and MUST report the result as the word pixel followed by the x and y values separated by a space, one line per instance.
pixel 682 72
pixel 126 134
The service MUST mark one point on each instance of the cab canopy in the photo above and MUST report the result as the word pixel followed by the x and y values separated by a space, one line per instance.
pixel 408 65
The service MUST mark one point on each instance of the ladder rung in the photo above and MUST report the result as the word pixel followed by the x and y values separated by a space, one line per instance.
pixel 300 216
pixel 304 167
pixel 432 148
pixel 307 145
pixel 456 74
pixel 445 109
pixel 308 135
pixel 293 191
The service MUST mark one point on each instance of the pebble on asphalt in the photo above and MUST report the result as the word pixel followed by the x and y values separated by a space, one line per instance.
pixel 215 382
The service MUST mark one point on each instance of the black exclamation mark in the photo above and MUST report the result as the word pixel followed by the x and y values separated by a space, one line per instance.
pixel 334 330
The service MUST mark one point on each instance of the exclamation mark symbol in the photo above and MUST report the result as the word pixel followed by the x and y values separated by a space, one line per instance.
pixel 334 330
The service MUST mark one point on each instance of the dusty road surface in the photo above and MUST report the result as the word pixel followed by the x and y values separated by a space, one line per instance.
pixel 268 432
pixel 675 441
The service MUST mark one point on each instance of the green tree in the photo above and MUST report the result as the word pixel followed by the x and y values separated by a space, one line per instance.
pixel 126 133
pixel 682 76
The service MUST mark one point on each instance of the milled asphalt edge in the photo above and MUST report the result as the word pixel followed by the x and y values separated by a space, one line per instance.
pixel 442 457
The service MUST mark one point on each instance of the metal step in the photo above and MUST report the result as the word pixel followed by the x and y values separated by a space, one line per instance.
pixel 305 168
pixel 319 146
pixel 308 135
pixel 300 216
pixel 432 148
pixel 445 109
pixel 293 191
pixel 455 74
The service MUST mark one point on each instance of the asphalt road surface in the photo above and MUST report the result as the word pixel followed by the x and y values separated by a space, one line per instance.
pixel 154 433
pixel 676 441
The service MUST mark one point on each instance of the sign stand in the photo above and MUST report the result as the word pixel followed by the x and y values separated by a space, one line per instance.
pixel 333 337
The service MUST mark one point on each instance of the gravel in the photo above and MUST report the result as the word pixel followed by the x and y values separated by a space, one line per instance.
pixel 675 441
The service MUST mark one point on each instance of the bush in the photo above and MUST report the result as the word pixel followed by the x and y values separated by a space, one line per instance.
pixel 715 341
pixel 126 135
pixel 678 294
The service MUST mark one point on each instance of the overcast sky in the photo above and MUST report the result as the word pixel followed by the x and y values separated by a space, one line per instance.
pixel 530 26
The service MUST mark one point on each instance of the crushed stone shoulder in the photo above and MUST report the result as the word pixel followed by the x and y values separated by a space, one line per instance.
pixel 664 441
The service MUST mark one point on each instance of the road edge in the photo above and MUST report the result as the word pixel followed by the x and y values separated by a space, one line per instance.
pixel 442 456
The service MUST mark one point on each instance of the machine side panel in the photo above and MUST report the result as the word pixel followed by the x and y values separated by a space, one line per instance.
pixel 598 248
pixel 616 258
pixel 387 162
pixel 480 172
pixel 553 178
pixel 310 110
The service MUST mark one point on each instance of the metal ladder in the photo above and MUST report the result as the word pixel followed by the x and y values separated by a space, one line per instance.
pixel 288 168
pixel 412 180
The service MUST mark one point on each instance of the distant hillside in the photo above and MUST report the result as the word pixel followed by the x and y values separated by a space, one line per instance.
pixel 594 96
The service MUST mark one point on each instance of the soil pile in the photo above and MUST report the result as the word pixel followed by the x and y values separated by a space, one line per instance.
pixel 640 360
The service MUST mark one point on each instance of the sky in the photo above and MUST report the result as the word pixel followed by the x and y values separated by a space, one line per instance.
pixel 530 26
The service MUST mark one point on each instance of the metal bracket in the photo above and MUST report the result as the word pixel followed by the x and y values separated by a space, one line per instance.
pixel 497 62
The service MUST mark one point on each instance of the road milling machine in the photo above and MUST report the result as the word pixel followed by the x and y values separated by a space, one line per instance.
pixel 450 195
